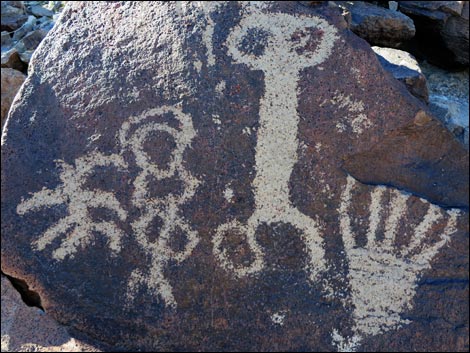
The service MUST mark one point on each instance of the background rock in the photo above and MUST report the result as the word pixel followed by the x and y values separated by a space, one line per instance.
pixel 449 98
pixel 11 82
pixel 442 31
pixel 404 67
pixel 29 329
pixel 378 25
pixel 25 27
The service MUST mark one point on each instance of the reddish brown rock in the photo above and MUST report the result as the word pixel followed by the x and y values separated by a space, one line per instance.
pixel 185 176
pixel 11 83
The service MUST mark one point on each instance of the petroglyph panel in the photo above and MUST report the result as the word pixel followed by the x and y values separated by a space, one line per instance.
pixel 182 182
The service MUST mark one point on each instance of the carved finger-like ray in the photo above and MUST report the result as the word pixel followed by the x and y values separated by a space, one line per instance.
pixel 432 216
pixel 376 210
pixel 41 199
pixel 113 233
pixel 79 237
pixel 61 227
pixel 109 201
pixel 397 209
pixel 344 218
pixel 423 259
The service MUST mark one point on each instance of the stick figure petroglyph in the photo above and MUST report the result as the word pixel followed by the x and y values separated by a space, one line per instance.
pixel 78 199
pixel 383 276
pixel 165 208
pixel 286 49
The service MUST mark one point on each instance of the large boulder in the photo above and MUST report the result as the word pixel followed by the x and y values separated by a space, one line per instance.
pixel 379 25
pixel 232 176
pixel 442 31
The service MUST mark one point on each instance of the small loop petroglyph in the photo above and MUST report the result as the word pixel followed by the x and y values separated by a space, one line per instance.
pixel 166 208
pixel 288 44
pixel 382 275
pixel 78 226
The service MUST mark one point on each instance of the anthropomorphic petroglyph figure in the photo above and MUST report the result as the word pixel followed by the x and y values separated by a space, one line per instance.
pixel 78 225
pixel 166 208
pixel 288 44
pixel 382 275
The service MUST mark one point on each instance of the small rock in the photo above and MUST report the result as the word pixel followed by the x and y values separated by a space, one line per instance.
pixel 32 40
pixel 11 82
pixel 11 59
pixel 6 39
pixel 378 25
pixel 25 56
pixel 12 23
pixel 393 5
pixel 25 28
pixel 404 67
pixel 39 11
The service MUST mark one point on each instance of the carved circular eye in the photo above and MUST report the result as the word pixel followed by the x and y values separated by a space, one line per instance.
pixel 307 40
pixel 254 42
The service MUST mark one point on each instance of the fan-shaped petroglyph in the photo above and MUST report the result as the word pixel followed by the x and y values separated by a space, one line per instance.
pixel 382 275
pixel 166 208
pixel 284 50
pixel 78 226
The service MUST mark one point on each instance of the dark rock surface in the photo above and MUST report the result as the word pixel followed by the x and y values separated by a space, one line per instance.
pixel 404 67
pixel 442 31
pixel 378 25
pixel 175 177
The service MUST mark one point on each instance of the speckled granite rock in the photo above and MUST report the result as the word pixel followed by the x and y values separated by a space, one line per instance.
pixel 185 176
pixel 28 329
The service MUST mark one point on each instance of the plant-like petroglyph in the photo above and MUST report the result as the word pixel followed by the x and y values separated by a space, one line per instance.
pixel 382 275
pixel 166 208
pixel 281 46
pixel 78 225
